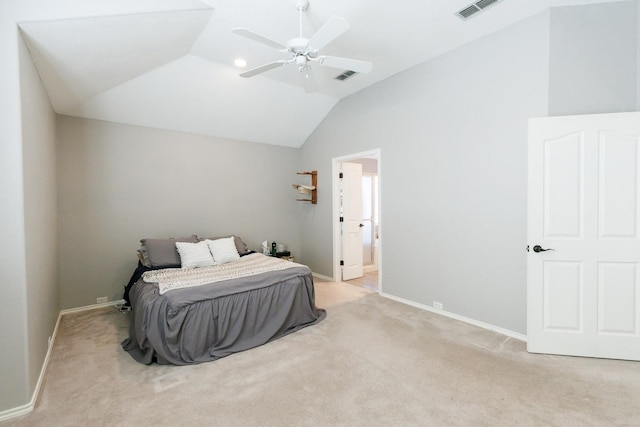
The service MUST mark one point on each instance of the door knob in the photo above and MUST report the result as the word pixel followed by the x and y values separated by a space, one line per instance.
pixel 538 248
pixel 361 225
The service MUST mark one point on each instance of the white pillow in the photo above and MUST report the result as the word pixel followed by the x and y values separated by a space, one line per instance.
pixel 194 255
pixel 223 250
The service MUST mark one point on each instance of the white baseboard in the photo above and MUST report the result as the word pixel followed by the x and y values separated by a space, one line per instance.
pixel 25 409
pixel 92 306
pixel 17 411
pixel 322 277
pixel 369 268
pixel 473 322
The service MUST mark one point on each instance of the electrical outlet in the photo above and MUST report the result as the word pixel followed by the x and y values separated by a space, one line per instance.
pixel 102 300
pixel 437 305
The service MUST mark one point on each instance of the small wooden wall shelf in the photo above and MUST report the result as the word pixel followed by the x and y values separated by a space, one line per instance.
pixel 314 183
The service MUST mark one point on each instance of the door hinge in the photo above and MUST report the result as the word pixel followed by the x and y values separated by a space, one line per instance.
pixel 341 219
pixel 341 175
pixel 341 262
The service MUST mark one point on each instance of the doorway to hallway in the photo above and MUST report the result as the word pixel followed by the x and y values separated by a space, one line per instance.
pixel 365 229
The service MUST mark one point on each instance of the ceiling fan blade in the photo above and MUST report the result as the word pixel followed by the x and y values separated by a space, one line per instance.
pixel 345 63
pixel 309 80
pixel 258 38
pixel 333 28
pixel 266 67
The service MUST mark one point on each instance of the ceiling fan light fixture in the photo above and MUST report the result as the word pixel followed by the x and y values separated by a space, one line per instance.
pixel 302 50
pixel 240 63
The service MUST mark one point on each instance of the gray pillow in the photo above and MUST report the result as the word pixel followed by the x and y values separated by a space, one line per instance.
pixel 163 252
pixel 240 245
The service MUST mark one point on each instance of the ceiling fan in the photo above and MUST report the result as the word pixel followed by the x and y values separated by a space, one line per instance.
pixel 304 51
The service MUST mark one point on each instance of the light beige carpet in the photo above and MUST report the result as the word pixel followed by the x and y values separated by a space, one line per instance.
pixel 371 362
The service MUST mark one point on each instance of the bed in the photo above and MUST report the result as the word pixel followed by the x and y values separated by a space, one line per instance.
pixel 192 315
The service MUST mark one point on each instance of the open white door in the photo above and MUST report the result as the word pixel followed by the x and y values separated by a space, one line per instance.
pixel 583 297
pixel 352 220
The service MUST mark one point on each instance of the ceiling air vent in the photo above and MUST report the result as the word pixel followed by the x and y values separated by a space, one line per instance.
pixel 344 76
pixel 483 4
pixel 468 11
pixel 474 8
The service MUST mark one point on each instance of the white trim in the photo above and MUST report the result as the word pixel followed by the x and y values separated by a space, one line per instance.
pixel 335 199
pixel 369 268
pixel 323 277
pixel 17 411
pixel 473 322
pixel 25 409
pixel 29 407
pixel 92 306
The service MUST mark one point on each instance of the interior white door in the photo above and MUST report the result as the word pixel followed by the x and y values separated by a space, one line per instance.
pixel 352 255
pixel 583 296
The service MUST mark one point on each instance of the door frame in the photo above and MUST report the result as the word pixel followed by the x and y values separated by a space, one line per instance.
pixel 373 230
pixel 335 191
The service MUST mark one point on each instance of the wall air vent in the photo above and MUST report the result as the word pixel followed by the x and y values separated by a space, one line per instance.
pixel 474 8
pixel 344 76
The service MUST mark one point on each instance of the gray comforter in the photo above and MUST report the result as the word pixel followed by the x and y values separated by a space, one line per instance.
pixel 204 323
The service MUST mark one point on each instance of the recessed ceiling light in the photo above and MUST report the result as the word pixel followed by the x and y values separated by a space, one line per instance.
pixel 240 63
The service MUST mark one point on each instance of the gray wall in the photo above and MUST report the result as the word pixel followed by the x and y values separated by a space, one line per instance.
pixel 13 316
pixel 453 140
pixel 40 213
pixel 28 253
pixel 593 59
pixel 120 183
pixel 453 137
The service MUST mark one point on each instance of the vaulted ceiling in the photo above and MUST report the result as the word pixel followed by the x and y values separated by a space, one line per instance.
pixel 175 69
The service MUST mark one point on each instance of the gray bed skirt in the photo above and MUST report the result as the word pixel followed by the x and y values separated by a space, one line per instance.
pixel 204 323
